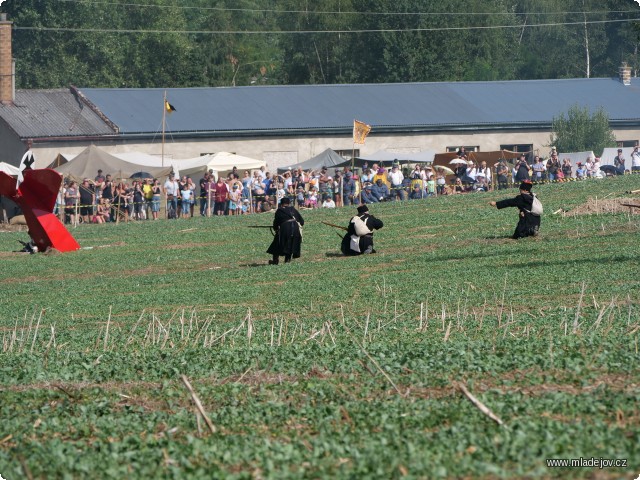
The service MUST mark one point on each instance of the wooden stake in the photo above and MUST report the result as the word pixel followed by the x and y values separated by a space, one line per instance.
pixel 197 403
pixel 479 405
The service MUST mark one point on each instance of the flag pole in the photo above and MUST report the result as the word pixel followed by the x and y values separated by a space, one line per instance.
pixel 164 114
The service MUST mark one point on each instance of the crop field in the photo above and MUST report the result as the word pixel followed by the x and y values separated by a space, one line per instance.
pixel 170 349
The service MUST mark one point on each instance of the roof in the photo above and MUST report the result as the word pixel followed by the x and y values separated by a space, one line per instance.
pixel 52 113
pixel 387 107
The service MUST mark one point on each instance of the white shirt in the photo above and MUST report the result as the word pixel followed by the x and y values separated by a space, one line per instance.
pixel 329 204
pixel 396 177
pixel 635 158
pixel 171 187
pixel 472 172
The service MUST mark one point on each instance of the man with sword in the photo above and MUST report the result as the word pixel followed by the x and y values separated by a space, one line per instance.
pixel 359 237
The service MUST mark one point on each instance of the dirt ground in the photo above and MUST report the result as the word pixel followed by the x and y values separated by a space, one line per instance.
pixel 595 206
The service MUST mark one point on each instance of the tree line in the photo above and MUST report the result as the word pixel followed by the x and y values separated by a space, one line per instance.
pixel 165 43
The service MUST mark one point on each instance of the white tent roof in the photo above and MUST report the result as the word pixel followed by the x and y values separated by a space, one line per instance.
pixel 218 162
pixel 9 169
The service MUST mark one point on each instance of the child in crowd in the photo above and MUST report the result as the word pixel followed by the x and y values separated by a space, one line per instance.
pixel 312 200
pixel 431 186
pixel 580 171
pixel 328 202
pixel 185 196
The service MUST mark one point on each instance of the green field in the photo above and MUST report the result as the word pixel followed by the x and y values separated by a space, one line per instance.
pixel 329 367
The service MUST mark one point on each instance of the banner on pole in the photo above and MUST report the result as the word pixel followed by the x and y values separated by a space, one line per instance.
pixel 360 131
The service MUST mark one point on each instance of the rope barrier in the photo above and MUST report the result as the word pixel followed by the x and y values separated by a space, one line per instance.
pixel 128 208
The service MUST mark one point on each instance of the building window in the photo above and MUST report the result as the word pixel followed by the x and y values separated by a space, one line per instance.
pixel 346 154
pixel 627 143
pixel 475 148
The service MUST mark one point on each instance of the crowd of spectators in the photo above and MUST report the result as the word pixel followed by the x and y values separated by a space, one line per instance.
pixel 101 199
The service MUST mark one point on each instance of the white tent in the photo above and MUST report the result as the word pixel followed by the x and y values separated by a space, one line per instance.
pixel 608 154
pixel 576 157
pixel 220 162
pixel 9 169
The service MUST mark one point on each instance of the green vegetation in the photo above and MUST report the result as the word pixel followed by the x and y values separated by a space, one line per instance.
pixel 328 367
pixel 164 43
pixel 581 131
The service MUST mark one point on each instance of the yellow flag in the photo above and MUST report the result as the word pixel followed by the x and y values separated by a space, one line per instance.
pixel 360 132
pixel 170 108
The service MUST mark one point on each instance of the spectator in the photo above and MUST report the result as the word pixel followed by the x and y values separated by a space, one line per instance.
pixel 220 196
pixel 147 190
pixel 580 171
pixel 396 178
pixel 312 199
pixel 172 190
pixel 522 169
pixel 137 198
pixel 441 183
pixel 192 200
pixel 71 201
pixel 156 190
pixel 204 193
pixel 539 169
pixel 635 159
pixel 553 166
pixel 483 169
pixel 618 162
pixel 107 188
pixel 470 175
pixel 235 200
pixel 416 193
pixel 501 174
pixel 380 191
pixel 328 202
pixel 102 211
pixel 348 189
pixel 300 197
pixel 596 168
pixel 87 197
pixel 588 167
pixel 98 182
pixel 367 195
pixel 431 186
pixel 567 168
pixel 481 184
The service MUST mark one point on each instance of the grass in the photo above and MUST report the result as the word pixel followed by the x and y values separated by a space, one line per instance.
pixel 329 366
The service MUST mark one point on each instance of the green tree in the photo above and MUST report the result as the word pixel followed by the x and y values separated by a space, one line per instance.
pixel 581 130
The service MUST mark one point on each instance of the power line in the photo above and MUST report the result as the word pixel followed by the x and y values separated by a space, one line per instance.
pixel 306 32
pixel 338 12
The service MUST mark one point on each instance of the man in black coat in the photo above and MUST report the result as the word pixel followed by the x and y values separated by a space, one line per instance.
pixel 359 237
pixel 287 241
pixel 528 223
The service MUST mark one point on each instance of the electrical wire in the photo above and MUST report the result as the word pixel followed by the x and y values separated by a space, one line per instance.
pixel 339 12
pixel 307 32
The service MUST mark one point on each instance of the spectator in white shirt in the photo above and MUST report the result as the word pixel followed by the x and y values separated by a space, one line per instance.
pixel 635 159
pixel 396 178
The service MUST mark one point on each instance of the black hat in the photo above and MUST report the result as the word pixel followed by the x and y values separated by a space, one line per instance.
pixel 526 185
pixel 285 201
pixel 362 209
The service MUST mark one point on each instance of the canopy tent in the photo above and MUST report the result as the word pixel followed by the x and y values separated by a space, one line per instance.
pixel 221 162
pixel 87 163
pixel 61 159
pixel 9 169
pixel 328 159
pixel 608 154
pixel 478 157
